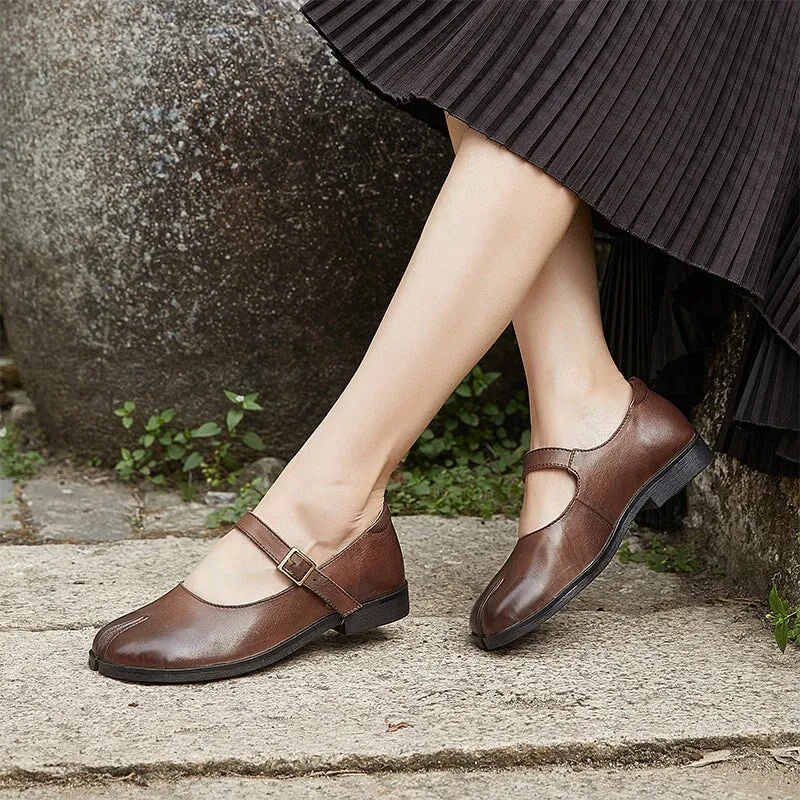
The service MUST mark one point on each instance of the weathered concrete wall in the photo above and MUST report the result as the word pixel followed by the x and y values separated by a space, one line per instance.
pixel 195 196
pixel 748 521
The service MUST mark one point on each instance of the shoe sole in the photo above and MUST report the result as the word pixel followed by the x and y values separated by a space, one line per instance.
pixel 373 614
pixel 679 472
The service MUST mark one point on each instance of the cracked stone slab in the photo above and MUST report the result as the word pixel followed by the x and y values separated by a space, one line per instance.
pixel 10 517
pixel 448 563
pixel 583 686
pixel 167 513
pixel 6 489
pixel 749 779
pixel 10 513
pixel 69 511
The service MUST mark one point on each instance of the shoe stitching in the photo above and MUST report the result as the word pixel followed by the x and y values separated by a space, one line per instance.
pixel 633 404
pixel 114 630
pixel 549 464
pixel 370 530
pixel 240 605
pixel 266 599
pixel 482 607
pixel 594 511
pixel 320 583
pixel 317 591
pixel 568 507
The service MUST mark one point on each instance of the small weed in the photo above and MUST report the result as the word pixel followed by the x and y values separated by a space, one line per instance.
pixel 167 454
pixel 661 557
pixel 467 460
pixel 784 619
pixel 472 430
pixel 456 490
pixel 16 463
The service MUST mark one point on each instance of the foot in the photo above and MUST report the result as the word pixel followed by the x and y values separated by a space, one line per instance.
pixel 580 419
pixel 318 516
pixel 181 638
pixel 651 454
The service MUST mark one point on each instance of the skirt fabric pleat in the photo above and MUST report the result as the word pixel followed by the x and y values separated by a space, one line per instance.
pixel 676 122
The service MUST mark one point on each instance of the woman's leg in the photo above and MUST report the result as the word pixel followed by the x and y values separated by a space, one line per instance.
pixel 493 226
pixel 577 395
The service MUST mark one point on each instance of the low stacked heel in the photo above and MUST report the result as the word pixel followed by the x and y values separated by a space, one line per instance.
pixel 376 613
pixel 680 473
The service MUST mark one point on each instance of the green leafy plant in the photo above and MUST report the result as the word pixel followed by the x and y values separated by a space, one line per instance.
pixel 471 429
pixel 166 453
pixel 662 557
pixel 450 491
pixel 467 460
pixel 784 619
pixel 15 462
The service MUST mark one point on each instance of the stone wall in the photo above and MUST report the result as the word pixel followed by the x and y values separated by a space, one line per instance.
pixel 749 522
pixel 195 196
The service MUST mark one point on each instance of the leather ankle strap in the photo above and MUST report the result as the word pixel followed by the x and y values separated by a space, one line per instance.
pixel 546 458
pixel 296 565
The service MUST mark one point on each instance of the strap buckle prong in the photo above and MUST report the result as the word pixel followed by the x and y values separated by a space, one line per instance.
pixel 282 566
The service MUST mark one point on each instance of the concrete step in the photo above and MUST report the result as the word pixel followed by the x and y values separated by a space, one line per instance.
pixel 639 670
pixel 584 687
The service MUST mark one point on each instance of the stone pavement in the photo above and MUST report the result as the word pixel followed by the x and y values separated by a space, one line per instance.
pixel 638 677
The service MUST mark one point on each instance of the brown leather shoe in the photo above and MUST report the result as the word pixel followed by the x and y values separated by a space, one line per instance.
pixel 182 638
pixel 651 456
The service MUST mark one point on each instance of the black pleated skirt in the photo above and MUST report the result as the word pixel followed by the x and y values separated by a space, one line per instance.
pixel 676 122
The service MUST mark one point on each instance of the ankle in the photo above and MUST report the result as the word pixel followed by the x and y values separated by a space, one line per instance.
pixel 573 383
pixel 583 416
pixel 320 514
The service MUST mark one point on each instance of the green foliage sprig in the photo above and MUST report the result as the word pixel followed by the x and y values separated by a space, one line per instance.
pixel 450 491
pixel 784 619
pixel 467 460
pixel 15 462
pixel 662 557
pixel 471 429
pixel 166 453
pixel 247 497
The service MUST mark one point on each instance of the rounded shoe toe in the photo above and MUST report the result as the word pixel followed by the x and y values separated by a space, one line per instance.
pixel 107 642
pixel 529 578
pixel 481 618
pixel 143 638
pixel 179 631
pixel 499 608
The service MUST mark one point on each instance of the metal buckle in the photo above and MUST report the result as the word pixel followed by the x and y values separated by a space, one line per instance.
pixel 285 559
